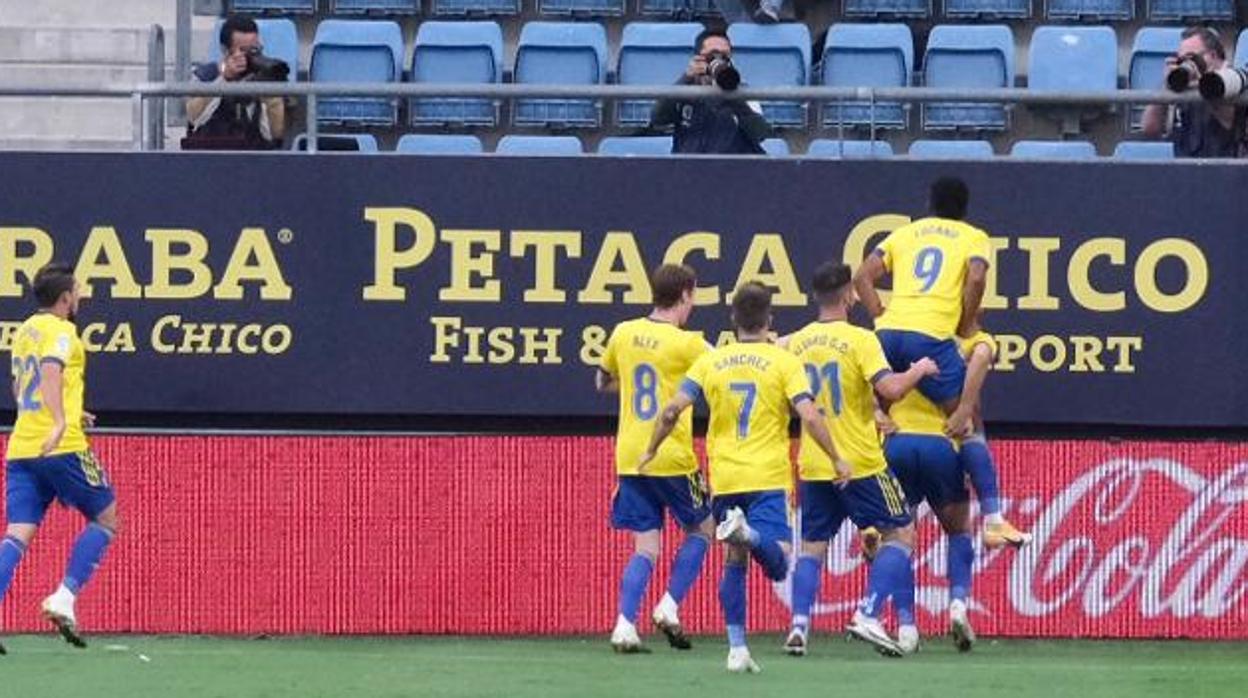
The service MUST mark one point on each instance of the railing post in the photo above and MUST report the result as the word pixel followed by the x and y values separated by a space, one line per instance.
pixel 311 130
pixel 182 51
pixel 136 115
pixel 156 73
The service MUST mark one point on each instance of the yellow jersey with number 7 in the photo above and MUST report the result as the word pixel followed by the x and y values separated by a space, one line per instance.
pixel 46 338
pixel 928 259
pixel 749 387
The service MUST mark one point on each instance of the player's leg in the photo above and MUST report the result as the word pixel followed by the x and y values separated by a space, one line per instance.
pixel 80 482
pixel 976 459
pixel 823 512
pixel 945 489
pixel 636 509
pixel 761 524
pixel 879 501
pixel 732 594
pixel 26 501
pixel 686 497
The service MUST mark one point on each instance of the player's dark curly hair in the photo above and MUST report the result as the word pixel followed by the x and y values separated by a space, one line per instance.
pixel 830 282
pixel 949 198
pixel 51 282
pixel 669 283
pixel 751 307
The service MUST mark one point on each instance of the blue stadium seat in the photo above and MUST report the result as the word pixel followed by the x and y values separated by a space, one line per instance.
pixel 438 144
pixel 968 56
pixel 276 6
pixel 1054 150
pixel 581 8
pixel 867 55
pixel 635 145
pixel 474 8
pixel 951 150
pixel 776 146
pixel 388 7
pixel 560 53
pixel 338 142
pixel 463 52
pixel 651 53
pixel 888 8
pixel 1175 10
pixel 678 9
pixel 279 37
pixel 995 9
pixel 1116 10
pixel 773 56
pixel 1146 69
pixel 539 145
pixel 1073 58
pixel 1241 50
pixel 357 51
pixel 1144 150
pixel 848 150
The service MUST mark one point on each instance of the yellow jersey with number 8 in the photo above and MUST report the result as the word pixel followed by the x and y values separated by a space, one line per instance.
pixel 45 338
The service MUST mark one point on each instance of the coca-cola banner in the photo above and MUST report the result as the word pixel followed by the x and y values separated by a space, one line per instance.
pixel 488 286
pixel 507 535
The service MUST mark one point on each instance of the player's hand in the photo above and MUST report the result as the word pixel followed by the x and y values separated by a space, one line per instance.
pixel 926 367
pixel 53 440
pixel 885 423
pixel 234 66
pixel 843 472
pixel 644 465
pixel 697 68
pixel 88 420
pixel 960 424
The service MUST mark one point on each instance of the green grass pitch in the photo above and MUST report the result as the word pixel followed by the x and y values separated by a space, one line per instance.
pixel 181 667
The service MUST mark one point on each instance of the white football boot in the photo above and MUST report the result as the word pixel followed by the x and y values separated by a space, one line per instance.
pixel 740 662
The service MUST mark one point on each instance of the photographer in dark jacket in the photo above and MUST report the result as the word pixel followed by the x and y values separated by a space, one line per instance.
pixel 237 122
pixel 1205 129
pixel 712 125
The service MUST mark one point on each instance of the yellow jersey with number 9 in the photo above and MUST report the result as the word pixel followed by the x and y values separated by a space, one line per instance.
pixel 649 358
pixel 928 259
pixel 45 338
pixel 749 387
pixel 842 363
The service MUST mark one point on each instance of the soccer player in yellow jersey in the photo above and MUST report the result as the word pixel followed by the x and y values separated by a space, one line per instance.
pixel 750 387
pixel 846 368
pixel 645 360
pixel 939 266
pixel 48 455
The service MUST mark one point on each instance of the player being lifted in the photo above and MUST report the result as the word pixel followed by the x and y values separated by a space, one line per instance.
pixel 845 366
pixel 750 387
pixel 645 360
pixel 49 456
pixel 939 266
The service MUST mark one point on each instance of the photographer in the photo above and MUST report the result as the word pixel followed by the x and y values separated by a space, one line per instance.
pixel 717 125
pixel 238 123
pixel 1205 129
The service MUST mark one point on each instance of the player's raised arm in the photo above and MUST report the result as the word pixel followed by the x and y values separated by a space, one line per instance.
pixel 892 387
pixel 962 421
pixel 50 375
pixel 667 420
pixel 972 295
pixel 868 275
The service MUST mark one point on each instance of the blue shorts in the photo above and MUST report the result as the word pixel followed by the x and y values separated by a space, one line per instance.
pixel 877 500
pixel 903 348
pixel 767 512
pixel 823 510
pixel 640 501
pixel 77 479
pixel 928 467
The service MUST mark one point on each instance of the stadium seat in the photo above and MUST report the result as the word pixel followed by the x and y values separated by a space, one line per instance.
pixel 539 145
pixel 338 142
pixel 849 150
pixel 678 9
pixel 888 8
pixel 1175 10
pixel 951 150
pixel 1054 150
pixel 867 55
pixel 1146 69
pixel 474 8
pixel 387 7
pixel 560 53
pixel 997 9
pixel 581 8
pixel 457 52
pixel 773 56
pixel 275 6
pixel 1073 58
pixel 968 56
pixel 1116 10
pixel 1240 58
pixel 635 145
pixel 776 146
pixel 357 51
pixel 651 53
pixel 1144 150
pixel 438 144
pixel 279 37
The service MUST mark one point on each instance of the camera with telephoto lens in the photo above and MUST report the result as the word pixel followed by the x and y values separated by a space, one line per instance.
pixel 262 68
pixel 722 72
pixel 1188 67
pixel 1225 83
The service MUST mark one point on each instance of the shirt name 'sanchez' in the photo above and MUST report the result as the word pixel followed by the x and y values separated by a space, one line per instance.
pixel 756 362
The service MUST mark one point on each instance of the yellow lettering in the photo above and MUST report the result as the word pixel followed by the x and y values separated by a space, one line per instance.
pixel 12 262
pixel 1146 275
pixel 8 332
pixel 862 235
pixel 543 341
pixel 546 245
pixel 1010 348
pixel 103 239
pixel 165 262
pixel 445 336
pixel 593 345
pixel 502 347
pixel 1124 346
pixel 1087 355
pixel 1058 348
pixel 387 258
pixel 91 336
pixel 158 330
pixel 253 244
pixel 247 339
pixel 225 345
pixel 276 339
pixel 1038 251
pixel 678 252
pixel 992 299
pixel 122 340
pixel 1079 279
pixel 768 249
pixel 621 246
pixel 465 265
pixel 197 338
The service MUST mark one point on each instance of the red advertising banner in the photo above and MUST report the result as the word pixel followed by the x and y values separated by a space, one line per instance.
pixel 509 535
